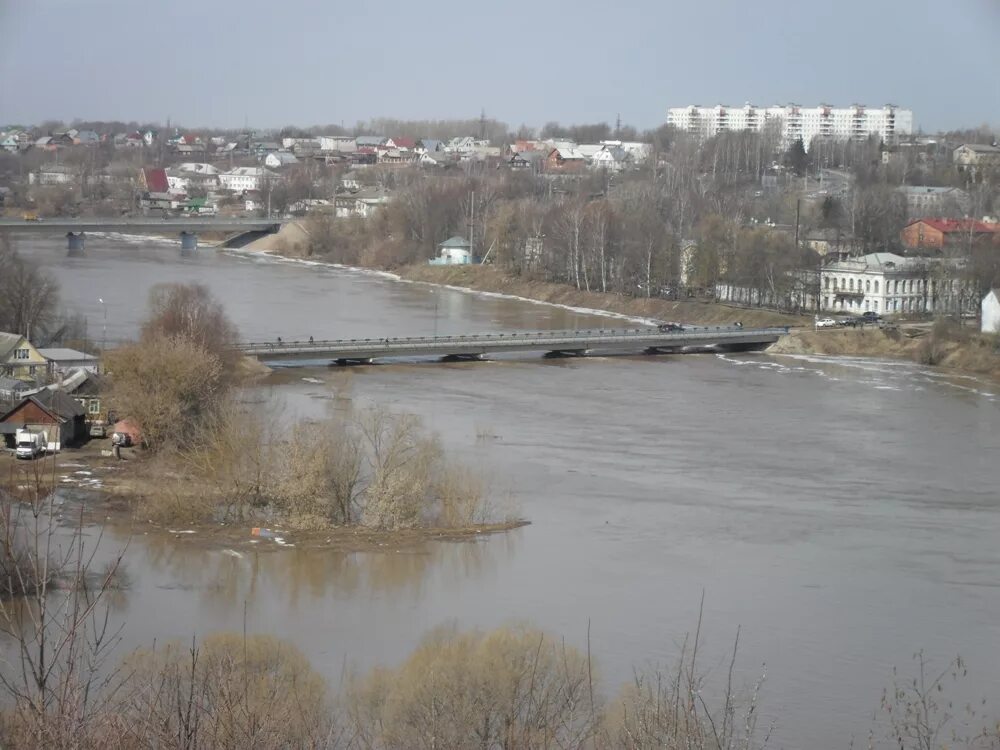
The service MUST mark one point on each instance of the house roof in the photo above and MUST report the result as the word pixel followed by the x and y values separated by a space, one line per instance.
pixel 156 179
pixel 949 226
pixel 431 144
pixel 60 354
pixel 404 142
pixel 284 157
pixel 12 385
pixel 55 403
pixel 369 140
pixel 981 148
pixel 455 241
pixel 8 342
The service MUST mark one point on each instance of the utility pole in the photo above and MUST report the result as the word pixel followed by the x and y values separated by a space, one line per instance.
pixel 472 225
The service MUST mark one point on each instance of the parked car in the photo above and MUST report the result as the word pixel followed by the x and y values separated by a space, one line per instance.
pixel 826 323
pixel 29 444
pixel 870 316
pixel 847 321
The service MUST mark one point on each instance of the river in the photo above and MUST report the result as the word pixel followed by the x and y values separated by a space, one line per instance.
pixel 843 512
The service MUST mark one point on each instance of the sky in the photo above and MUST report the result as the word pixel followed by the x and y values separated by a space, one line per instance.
pixel 219 63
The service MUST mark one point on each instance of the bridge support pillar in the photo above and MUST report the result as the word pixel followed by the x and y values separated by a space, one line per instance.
pixel 189 241
pixel 75 241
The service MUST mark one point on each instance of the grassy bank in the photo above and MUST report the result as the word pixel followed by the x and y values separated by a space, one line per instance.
pixel 944 346
pixel 490 279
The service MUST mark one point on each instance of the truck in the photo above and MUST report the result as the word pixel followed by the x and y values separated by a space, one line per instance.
pixel 30 215
pixel 28 444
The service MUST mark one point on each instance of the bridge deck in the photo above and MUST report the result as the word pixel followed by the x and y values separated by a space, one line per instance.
pixel 137 223
pixel 477 345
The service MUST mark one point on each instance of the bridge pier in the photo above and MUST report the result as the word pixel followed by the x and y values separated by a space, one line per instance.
pixel 343 362
pixel 557 353
pixel 462 358
pixel 189 241
pixel 75 242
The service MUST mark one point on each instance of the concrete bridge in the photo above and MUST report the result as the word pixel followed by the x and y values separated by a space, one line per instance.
pixel 188 227
pixel 551 343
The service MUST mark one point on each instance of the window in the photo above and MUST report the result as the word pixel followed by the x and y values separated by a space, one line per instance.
pixel 32 369
pixel 875 303
pixel 826 283
pixel 851 285
pixel 21 354
pixel 868 285
pixel 876 286
pixel 94 407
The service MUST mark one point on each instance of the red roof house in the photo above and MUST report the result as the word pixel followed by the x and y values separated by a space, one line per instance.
pixel 154 180
pixel 936 234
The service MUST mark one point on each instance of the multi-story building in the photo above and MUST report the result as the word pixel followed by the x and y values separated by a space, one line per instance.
pixel 886 283
pixel 243 179
pixel 794 123
pixel 924 200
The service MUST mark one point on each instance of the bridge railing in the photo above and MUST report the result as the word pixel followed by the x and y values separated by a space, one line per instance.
pixel 555 337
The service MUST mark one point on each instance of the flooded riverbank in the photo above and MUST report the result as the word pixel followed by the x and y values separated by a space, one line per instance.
pixel 843 511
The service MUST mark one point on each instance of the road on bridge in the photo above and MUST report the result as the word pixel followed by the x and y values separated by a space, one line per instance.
pixel 478 346
pixel 63 224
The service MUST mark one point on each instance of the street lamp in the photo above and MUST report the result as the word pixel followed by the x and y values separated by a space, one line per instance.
pixel 104 329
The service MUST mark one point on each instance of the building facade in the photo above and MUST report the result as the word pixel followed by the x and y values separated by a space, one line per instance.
pixel 889 284
pixel 793 122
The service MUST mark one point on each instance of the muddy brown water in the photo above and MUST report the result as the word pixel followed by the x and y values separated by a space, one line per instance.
pixel 843 512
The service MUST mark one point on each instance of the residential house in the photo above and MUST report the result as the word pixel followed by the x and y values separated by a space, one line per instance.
pixel 19 359
pixel 401 144
pixel 363 203
pixel 395 157
pixel 370 141
pixel 154 180
pixel 242 179
pixel 990 312
pixel 11 389
pixel 939 234
pixel 437 159
pixel 306 148
pixel 177 184
pixel 60 418
pixel 86 138
pixel 364 156
pixel 261 148
pixel 827 241
pixel 463 144
pixel 529 160
pixel 923 200
pixel 454 251
pixel 278 159
pixel 429 145
pixel 976 156
pixel 337 143
pixel 565 159
pixel 887 283
pixel 350 181
pixel 61 360
pixel 637 151
pixel 52 174
pixel 199 168
pixel 13 141
pixel 610 158
pixel 88 389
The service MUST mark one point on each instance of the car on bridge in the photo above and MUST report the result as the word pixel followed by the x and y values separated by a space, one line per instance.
pixel 668 327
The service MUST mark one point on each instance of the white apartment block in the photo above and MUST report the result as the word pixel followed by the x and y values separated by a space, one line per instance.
pixel 794 122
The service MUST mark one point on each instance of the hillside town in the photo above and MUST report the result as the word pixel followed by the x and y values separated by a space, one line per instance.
pixel 824 209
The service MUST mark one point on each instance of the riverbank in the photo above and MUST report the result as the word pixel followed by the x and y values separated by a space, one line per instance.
pixel 953 348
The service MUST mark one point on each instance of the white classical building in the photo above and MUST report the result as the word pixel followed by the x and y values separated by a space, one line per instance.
pixel 887 283
pixel 793 122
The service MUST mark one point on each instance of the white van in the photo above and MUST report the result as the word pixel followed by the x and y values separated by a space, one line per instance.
pixel 29 444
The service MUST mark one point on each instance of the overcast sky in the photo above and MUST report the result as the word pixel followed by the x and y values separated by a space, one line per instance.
pixel 278 62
